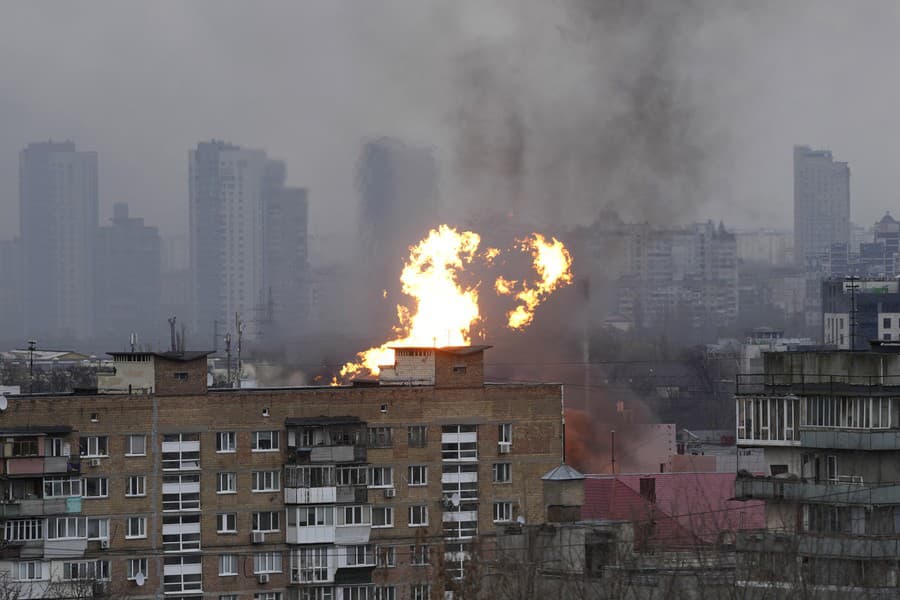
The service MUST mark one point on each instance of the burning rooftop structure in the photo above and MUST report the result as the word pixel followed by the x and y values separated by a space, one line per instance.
pixel 442 278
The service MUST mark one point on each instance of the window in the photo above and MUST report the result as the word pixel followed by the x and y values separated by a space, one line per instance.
pixel 361 555
pixel 86 569
pixel 137 528
pixel 831 466
pixel 887 323
pixel 136 445
pixel 267 562
pixel 136 486
pixel 385 592
pixel 417 435
pixel 94 445
pixel 311 516
pixel 135 566
pixel 382 516
pixel 266 481
pixel 386 556
pixel 504 433
pixel 181 492
pixel 356 592
pixel 61 487
pixel 181 533
pixel 269 596
pixel 97 529
pixel 379 437
pixel 502 472
pixel 226 441
pixel 264 441
pixel 380 477
pixel 182 574
pixel 647 486
pixel 228 564
pixel 28 571
pixel 354 515
pixel 502 512
pixel 352 475
pixel 181 452
pixel 57 447
pixel 459 442
pixel 95 487
pixel 19 530
pixel 417 475
pixel 418 516
pixel 420 591
pixel 266 521
pixel 180 375
pixel 226 523
pixel 312 564
pixel 229 597
pixel 419 555
pixel 226 483
pixel 63 528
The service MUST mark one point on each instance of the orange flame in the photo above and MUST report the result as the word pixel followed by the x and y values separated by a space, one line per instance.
pixel 553 264
pixel 446 310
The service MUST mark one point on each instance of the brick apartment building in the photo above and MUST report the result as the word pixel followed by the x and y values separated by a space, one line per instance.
pixel 157 487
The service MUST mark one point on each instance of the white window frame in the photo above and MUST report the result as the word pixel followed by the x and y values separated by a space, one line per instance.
pixel 417 475
pixel 102 524
pixel 352 515
pixel 66 528
pixel 135 566
pixel 226 482
pixel 130 440
pixel 226 442
pixel 418 515
pixel 28 570
pixel 267 562
pixel 272 516
pixel 136 486
pixel 388 512
pixel 228 565
pixel 102 483
pixel 386 556
pixel 97 446
pixel 420 591
pixel 271 437
pixel 62 486
pixel 381 477
pixel 222 523
pixel 136 528
pixel 503 511
pixel 505 433
pixel 266 481
pixel 501 472
pixel 419 555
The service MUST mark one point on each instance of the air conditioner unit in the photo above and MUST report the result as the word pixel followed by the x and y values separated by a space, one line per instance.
pixel 262 578
pixel 104 544
pixel 259 537
pixel 390 492
pixel 94 462
pixel 504 447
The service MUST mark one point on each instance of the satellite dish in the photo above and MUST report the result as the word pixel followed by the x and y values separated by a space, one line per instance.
pixel 3 403
pixel 454 499
pixel 139 578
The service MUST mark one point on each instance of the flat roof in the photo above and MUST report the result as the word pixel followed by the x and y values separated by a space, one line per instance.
pixel 177 356
pixel 457 350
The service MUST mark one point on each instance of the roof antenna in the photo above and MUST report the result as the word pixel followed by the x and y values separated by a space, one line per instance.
pixel 133 341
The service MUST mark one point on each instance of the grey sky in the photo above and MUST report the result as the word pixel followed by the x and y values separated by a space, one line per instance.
pixel 141 83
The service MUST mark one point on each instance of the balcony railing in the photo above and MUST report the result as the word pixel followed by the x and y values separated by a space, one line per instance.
pixel 824 492
pixel 327 454
pixel 755 383
pixel 834 545
pixel 850 439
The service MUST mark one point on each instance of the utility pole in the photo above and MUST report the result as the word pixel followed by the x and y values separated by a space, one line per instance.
pixel 228 359
pixel 853 287
pixel 239 327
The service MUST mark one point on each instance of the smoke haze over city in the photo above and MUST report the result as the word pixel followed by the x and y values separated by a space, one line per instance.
pixel 553 99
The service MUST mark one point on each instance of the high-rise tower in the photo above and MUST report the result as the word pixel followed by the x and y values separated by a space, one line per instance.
pixel 821 204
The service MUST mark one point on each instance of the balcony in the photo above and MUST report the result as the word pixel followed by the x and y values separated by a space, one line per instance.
pixel 310 495
pixel 819 545
pixel 850 439
pixel 328 454
pixel 799 490
pixel 314 534
pixel 37 466
pixel 37 507
pixel 352 494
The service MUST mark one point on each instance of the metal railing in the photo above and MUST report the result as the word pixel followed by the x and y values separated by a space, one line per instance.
pixel 752 383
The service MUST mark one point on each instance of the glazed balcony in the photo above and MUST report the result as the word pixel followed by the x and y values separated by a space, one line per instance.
pixel 839 493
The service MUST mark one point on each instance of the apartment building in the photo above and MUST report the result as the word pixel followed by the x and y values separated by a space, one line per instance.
pixel 157 487
pixel 828 423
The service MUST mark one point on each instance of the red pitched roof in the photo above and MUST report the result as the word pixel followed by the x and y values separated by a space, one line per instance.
pixel 688 507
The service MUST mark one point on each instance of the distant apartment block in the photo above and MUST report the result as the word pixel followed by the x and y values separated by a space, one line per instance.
pixel 821 205
pixel 127 281
pixel 58 207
